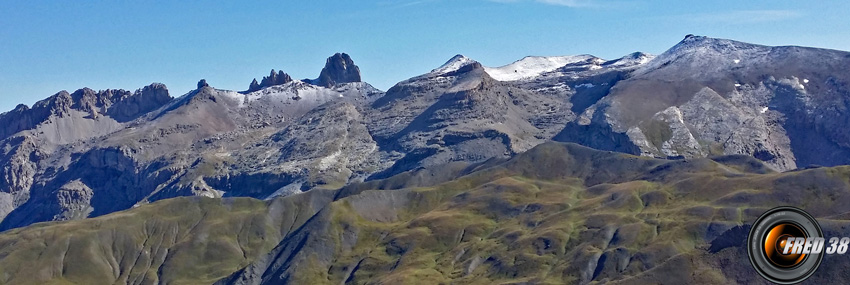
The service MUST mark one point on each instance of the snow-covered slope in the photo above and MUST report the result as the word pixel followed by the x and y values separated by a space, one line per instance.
pixel 633 59
pixel 532 66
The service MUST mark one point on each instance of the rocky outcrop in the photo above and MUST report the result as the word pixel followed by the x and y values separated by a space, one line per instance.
pixel 273 79
pixel 74 200
pixel 338 69
pixel 19 156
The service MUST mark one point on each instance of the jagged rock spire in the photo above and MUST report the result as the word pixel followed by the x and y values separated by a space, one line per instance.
pixel 274 78
pixel 254 86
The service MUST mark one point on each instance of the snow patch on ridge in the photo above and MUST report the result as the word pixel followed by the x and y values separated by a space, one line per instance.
pixel 630 60
pixel 532 66
pixel 453 64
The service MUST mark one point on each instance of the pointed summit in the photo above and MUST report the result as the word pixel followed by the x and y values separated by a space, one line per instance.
pixel 254 86
pixel 454 64
pixel 339 68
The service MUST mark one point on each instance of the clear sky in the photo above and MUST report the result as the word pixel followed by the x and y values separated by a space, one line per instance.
pixel 47 46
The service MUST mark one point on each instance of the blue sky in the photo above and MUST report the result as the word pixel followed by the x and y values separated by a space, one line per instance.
pixel 47 46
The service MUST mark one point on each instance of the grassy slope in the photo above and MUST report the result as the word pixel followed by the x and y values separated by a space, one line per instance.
pixel 179 241
pixel 557 213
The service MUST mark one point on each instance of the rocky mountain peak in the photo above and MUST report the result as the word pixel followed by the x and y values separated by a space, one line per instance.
pixel 339 68
pixel 155 86
pixel 707 54
pixel 58 104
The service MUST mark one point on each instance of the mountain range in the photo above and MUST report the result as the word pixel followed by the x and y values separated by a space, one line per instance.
pixel 476 157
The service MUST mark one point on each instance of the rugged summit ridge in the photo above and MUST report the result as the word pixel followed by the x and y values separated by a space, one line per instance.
pixel 339 69
pixel 120 105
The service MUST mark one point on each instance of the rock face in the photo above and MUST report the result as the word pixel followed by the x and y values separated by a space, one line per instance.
pixel 338 69
pixel 34 137
pixel 88 153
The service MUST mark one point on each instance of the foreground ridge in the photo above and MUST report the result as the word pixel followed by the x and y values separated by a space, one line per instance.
pixel 557 213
